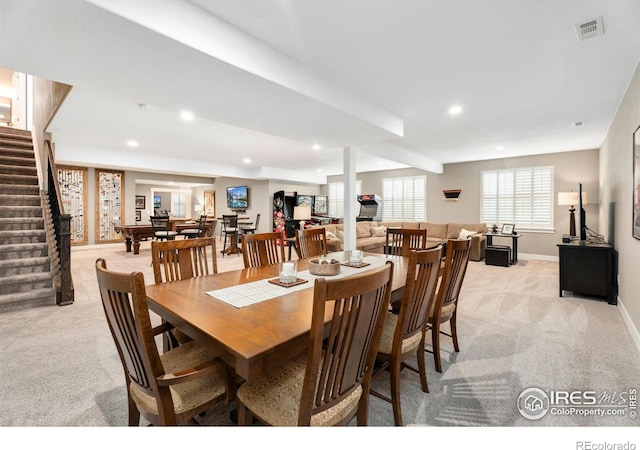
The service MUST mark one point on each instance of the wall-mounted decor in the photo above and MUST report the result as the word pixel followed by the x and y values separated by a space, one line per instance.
pixel 73 183
pixel 210 203
pixel 451 194
pixel 636 184
pixel 109 205
pixel 138 216
pixel 157 201
pixel 140 201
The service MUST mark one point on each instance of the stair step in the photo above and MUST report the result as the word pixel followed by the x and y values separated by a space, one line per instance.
pixel 21 223
pixel 19 200
pixel 30 180
pixel 17 152
pixel 19 170
pixel 30 299
pixel 25 282
pixel 19 189
pixel 17 160
pixel 15 133
pixel 15 143
pixel 20 211
pixel 18 251
pixel 22 237
pixel 9 267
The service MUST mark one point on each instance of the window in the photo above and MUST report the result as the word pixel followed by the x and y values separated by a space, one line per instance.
pixel 336 197
pixel 521 196
pixel 403 198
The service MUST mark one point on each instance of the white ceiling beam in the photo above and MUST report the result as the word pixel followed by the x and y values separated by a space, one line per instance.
pixel 395 152
pixel 207 33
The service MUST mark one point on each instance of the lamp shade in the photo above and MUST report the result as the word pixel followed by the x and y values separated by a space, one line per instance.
pixel 302 213
pixel 571 198
pixel 198 208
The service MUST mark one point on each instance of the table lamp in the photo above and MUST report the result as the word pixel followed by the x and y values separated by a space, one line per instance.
pixel 302 213
pixel 571 199
pixel 198 209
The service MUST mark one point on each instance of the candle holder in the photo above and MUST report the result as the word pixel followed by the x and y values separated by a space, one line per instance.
pixel 288 272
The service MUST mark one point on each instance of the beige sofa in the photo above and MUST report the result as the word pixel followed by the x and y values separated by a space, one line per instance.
pixel 371 236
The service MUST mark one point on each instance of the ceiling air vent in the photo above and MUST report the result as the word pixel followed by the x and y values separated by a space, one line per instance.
pixel 579 123
pixel 589 29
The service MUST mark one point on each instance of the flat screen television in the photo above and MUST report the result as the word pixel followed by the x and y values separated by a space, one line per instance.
pixel 237 197
pixel 583 216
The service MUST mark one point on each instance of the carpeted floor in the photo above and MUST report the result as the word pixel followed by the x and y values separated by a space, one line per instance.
pixel 59 366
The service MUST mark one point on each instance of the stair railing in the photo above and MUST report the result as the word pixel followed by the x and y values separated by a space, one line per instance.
pixel 62 231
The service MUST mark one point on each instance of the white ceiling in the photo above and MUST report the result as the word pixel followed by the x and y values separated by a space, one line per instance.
pixel 267 79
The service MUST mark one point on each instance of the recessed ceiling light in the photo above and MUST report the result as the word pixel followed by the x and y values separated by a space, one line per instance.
pixel 186 115
pixel 455 110
pixel 316 147
pixel 500 147
pixel 246 160
pixel 318 170
pixel 132 143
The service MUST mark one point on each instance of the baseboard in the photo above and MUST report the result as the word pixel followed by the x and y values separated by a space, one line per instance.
pixel 538 257
pixel 633 331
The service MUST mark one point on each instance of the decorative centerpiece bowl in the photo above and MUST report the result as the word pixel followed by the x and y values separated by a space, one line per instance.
pixel 324 267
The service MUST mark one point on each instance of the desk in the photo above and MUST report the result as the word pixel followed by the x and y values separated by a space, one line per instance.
pixel 255 338
pixel 136 233
pixel 514 243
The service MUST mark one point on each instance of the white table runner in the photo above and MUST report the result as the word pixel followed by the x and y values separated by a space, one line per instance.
pixel 247 294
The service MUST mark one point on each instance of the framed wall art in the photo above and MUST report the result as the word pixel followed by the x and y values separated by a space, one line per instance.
pixel 636 184
pixel 74 192
pixel 140 201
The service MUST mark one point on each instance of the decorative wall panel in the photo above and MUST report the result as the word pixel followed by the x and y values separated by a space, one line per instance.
pixel 109 205
pixel 73 190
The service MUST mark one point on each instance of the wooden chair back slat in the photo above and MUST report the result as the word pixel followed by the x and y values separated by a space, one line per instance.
pixel 262 249
pixel 400 241
pixel 183 259
pixel 311 242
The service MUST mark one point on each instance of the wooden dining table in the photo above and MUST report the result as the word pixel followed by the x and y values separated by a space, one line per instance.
pixel 254 338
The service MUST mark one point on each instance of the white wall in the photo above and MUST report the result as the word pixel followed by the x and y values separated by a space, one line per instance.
pixel 616 200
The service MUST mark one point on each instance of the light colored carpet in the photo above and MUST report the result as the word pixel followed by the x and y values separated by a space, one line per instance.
pixel 59 366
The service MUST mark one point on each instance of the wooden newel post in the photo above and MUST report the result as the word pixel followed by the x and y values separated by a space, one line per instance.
pixel 66 284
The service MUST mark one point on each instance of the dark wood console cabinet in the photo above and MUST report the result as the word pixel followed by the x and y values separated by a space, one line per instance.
pixel 589 269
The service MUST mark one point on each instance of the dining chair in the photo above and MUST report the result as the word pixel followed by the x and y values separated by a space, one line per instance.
pixel 190 233
pixel 179 260
pixel 329 383
pixel 403 333
pixel 182 259
pixel 160 227
pixel 261 249
pixel 230 231
pixel 166 389
pixel 311 242
pixel 251 228
pixel 444 307
pixel 400 241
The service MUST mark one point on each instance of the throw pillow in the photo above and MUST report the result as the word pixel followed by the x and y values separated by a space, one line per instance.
pixel 340 235
pixel 378 231
pixel 464 234
pixel 330 235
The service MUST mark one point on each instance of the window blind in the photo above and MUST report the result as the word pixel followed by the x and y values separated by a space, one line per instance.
pixel 336 197
pixel 522 196
pixel 403 198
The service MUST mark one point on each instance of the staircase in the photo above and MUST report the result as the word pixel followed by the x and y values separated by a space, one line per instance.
pixel 25 270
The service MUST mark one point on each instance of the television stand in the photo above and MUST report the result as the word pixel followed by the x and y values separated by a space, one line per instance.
pixel 590 269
